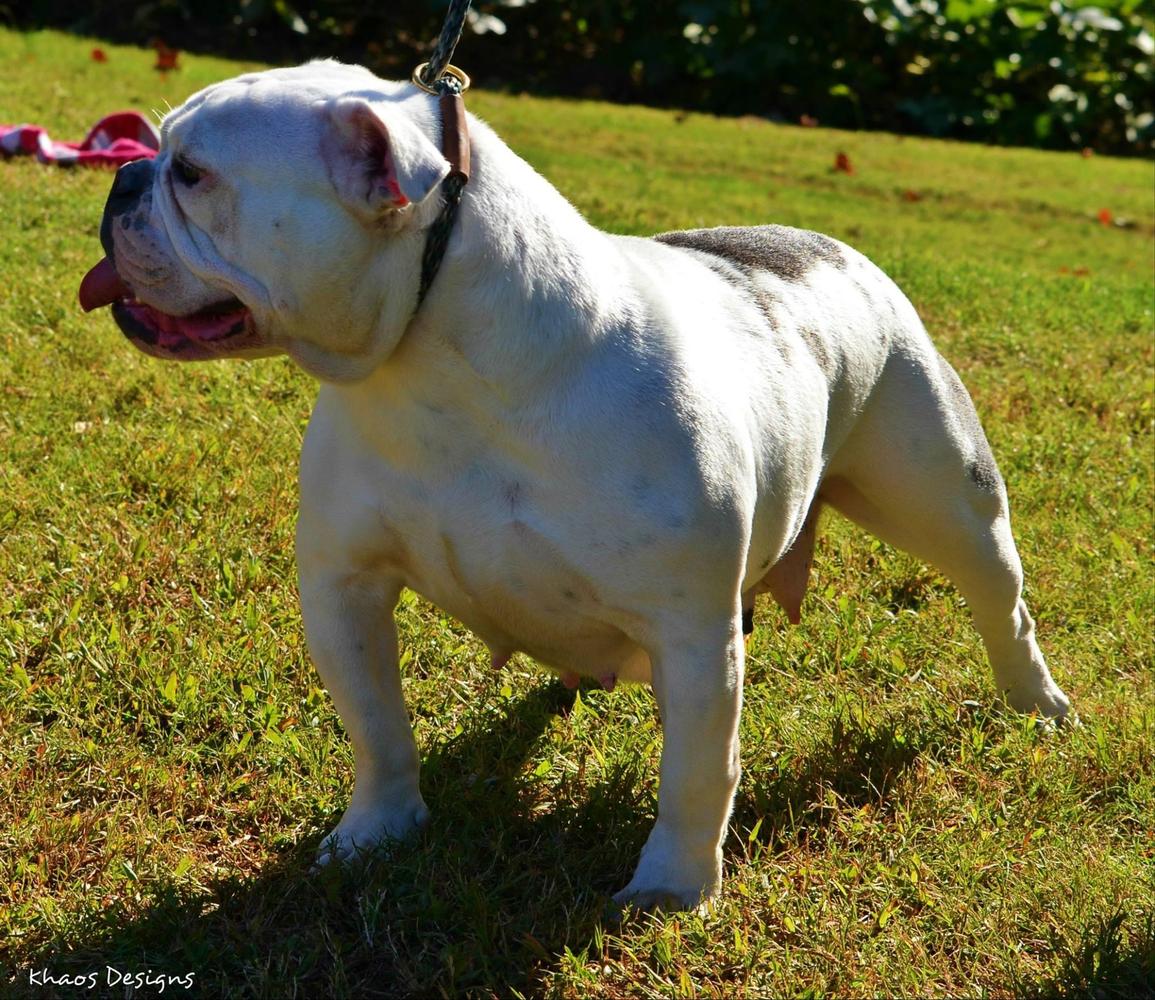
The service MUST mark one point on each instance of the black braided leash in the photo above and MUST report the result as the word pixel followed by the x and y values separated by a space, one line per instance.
pixel 437 76
pixel 432 73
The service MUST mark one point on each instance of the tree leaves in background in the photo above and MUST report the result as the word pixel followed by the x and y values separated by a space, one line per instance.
pixel 1048 73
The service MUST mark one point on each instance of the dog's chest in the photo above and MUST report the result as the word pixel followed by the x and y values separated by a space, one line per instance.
pixel 498 547
pixel 480 550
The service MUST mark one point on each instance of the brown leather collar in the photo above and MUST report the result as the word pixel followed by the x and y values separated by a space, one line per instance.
pixel 455 148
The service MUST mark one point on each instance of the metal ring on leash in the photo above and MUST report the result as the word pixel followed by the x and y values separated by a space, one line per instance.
pixel 428 75
pixel 450 70
pixel 447 83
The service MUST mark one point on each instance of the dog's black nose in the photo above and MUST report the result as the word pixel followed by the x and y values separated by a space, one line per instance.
pixel 132 180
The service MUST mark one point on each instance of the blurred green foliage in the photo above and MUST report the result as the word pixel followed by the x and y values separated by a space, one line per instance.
pixel 1046 73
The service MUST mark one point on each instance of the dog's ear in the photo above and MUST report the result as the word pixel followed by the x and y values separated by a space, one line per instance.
pixel 378 159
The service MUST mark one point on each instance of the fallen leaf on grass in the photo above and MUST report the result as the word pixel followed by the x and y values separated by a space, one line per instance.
pixel 842 164
pixel 98 55
pixel 911 195
pixel 1105 216
pixel 166 58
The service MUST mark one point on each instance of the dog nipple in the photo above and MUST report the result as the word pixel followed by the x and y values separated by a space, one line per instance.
pixel 608 681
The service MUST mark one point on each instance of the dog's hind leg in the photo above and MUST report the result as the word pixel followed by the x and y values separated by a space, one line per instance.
pixel 917 471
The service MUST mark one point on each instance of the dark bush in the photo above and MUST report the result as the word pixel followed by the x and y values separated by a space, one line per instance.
pixel 1035 72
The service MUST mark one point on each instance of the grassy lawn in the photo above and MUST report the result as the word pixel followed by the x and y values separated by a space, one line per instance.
pixel 169 762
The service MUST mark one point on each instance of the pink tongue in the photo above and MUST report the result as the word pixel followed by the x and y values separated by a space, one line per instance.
pixel 101 287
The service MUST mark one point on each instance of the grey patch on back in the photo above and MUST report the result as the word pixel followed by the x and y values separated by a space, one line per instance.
pixel 819 351
pixel 981 467
pixel 732 273
pixel 739 254
pixel 782 250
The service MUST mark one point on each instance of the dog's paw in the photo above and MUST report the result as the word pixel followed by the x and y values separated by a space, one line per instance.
pixel 669 879
pixel 1048 725
pixel 1048 702
pixel 363 830
pixel 656 901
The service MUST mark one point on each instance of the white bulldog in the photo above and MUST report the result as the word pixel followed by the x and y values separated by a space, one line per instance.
pixel 596 449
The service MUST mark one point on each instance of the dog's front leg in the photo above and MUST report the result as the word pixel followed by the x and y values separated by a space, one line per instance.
pixel 353 640
pixel 697 679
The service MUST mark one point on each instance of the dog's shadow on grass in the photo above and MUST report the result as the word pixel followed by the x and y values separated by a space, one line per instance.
pixel 508 884
pixel 857 763
pixel 487 899
pixel 1112 958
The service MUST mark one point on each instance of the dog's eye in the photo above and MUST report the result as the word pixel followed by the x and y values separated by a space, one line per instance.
pixel 185 172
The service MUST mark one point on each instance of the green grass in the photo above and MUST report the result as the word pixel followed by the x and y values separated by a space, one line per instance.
pixel 169 761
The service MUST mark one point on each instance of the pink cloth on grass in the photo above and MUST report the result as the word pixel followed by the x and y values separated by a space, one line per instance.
pixel 117 139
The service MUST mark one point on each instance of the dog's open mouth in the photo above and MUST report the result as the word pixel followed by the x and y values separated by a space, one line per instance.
pixel 221 328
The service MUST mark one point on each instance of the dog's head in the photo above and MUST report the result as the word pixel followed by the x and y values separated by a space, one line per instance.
pixel 285 213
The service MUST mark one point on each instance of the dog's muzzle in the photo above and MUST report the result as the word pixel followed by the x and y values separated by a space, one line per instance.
pixel 103 285
pixel 224 327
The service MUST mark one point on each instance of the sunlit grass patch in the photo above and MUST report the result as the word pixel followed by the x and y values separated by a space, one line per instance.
pixel 170 761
